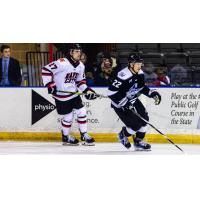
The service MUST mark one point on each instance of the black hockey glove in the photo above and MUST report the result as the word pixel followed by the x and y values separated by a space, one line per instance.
pixel 90 94
pixel 52 88
pixel 156 96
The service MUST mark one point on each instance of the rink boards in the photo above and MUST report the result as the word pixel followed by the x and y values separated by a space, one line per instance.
pixel 30 114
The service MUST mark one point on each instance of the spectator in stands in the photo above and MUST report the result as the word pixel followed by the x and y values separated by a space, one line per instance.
pixel 179 75
pixel 162 79
pixel 105 69
pixel 88 70
pixel 99 58
pixel 10 73
pixel 83 58
pixel 149 74
pixel 90 79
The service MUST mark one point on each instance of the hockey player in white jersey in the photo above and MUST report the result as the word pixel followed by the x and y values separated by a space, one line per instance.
pixel 123 92
pixel 68 74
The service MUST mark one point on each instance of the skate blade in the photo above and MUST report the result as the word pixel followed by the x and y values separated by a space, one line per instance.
pixel 88 144
pixel 69 144
pixel 139 149
pixel 125 146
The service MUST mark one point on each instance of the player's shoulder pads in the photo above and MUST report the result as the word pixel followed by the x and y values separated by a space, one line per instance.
pixel 124 74
pixel 62 61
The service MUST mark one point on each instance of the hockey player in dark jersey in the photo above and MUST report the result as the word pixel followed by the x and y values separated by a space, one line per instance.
pixel 123 91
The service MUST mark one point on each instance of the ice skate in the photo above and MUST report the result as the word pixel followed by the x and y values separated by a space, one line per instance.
pixel 140 145
pixel 123 139
pixel 69 140
pixel 87 140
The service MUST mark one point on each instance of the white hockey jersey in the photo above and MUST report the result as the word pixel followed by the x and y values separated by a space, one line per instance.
pixel 65 76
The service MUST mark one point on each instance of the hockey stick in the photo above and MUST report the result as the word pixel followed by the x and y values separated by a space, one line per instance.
pixel 157 130
pixel 81 93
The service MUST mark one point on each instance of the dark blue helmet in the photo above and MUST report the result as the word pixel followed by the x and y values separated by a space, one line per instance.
pixel 135 58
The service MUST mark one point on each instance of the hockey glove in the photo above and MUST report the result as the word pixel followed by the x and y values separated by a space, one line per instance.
pixel 156 96
pixel 52 88
pixel 90 94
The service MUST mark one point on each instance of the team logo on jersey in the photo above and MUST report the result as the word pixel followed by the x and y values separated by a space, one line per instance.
pixel 40 107
pixel 132 91
pixel 122 74
pixel 71 77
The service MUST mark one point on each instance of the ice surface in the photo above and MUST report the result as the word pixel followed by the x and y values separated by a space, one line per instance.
pixel 11 147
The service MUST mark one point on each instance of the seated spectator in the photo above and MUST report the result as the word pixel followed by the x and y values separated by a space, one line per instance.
pixel 149 74
pixel 90 79
pixel 179 74
pixel 10 73
pixel 105 69
pixel 162 79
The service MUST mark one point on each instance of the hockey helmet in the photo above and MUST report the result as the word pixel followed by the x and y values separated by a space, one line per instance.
pixel 75 47
pixel 135 58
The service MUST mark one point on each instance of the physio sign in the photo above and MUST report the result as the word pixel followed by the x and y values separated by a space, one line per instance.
pixel 34 110
pixel 40 107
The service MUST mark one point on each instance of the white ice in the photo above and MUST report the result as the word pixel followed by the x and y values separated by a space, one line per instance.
pixel 11 147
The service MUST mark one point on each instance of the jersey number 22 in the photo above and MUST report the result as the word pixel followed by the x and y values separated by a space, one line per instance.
pixel 116 83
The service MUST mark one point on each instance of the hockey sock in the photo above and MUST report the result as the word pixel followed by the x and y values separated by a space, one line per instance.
pixel 129 132
pixel 140 135
pixel 82 120
pixel 66 123
pixel 141 132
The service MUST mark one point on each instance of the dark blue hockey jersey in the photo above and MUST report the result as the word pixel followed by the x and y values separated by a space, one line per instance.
pixel 127 86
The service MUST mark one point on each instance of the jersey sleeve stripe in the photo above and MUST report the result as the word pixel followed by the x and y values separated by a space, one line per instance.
pixel 45 69
pixel 46 74
pixel 79 83
pixel 50 84
pixel 62 96
pixel 110 93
